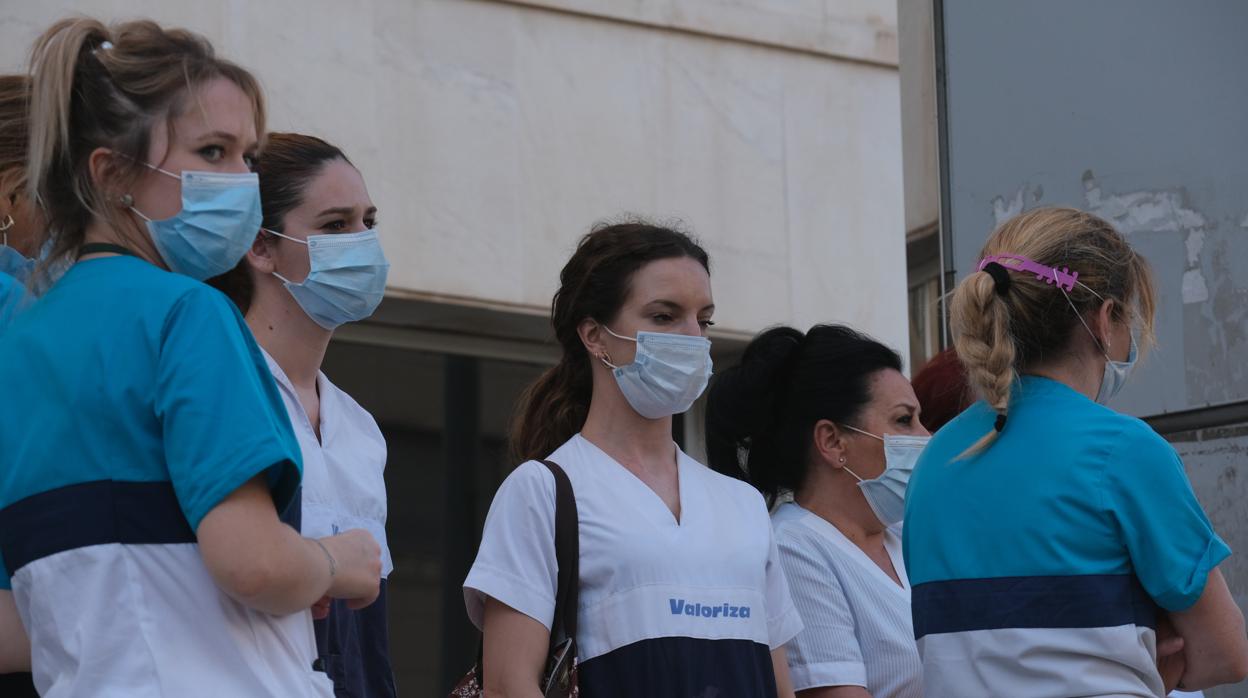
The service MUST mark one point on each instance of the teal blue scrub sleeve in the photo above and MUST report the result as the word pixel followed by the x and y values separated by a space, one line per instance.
pixel 1172 545
pixel 222 417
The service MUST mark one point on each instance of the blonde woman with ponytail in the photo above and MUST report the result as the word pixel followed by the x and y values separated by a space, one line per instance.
pixel 1055 546
pixel 145 454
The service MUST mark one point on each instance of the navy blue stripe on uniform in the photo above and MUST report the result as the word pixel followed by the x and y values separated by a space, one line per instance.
pixel 1080 601
pixel 680 667
pixel 354 649
pixel 90 513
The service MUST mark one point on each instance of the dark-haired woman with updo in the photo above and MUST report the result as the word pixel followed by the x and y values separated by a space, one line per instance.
pixel 681 593
pixel 825 423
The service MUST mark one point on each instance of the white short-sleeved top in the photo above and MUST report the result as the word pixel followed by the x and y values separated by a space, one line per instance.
pixel 666 608
pixel 858 628
pixel 344 484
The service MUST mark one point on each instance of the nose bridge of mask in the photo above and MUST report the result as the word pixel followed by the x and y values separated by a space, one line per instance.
pixel 321 247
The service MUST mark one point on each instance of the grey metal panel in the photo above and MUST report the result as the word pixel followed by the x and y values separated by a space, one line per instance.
pixel 1217 465
pixel 1136 110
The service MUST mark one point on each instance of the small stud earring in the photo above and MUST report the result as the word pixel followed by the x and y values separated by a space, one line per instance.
pixel 126 200
pixel 841 460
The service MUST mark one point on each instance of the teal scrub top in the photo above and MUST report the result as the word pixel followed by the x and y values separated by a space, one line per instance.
pixel 13 298
pixel 141 380
pixel 1071 489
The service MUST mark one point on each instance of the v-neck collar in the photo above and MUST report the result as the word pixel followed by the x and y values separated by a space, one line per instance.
pixel 283 382
pixel 892 546
pixel 668 517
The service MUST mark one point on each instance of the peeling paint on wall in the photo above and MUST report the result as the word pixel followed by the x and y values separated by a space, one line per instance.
pixel 1213 290
pixel 1194 288
pixel 1004 209
pixel 1157 210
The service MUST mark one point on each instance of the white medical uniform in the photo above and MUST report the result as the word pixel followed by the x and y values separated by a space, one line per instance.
pixel 344 484
pixel 667 608
pixel 858 628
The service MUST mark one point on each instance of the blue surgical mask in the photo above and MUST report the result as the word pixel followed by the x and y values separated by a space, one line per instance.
pixel 346 277
pixel 12 262
pixel 1116 373
pixel 886 494
pixel 219 220
pixel 668 372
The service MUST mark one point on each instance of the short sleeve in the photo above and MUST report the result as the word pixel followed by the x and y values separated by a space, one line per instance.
pixel 516 562
pixel 1172 545
pixel 222 418
pixel 783 620
pixel 826 652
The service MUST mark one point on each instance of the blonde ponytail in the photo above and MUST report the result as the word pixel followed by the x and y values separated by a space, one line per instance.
pixel 54 63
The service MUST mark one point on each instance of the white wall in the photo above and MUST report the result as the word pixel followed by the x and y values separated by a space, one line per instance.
pixel 493 133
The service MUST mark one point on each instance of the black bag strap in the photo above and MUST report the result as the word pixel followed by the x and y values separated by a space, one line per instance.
pixel 568 561
pixel 567 558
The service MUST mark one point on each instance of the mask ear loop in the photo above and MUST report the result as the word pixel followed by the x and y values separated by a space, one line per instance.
pixel 604 357
pixel 4 229
pixel 1099 344
pixel 292 239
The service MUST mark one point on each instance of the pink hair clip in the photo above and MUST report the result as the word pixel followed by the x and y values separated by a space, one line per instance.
pixel 1064 277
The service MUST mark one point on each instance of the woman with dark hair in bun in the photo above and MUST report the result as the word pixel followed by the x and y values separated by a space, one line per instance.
pixel 826 423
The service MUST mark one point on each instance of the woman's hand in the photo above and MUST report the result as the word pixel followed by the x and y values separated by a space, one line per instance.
pixel 1171 661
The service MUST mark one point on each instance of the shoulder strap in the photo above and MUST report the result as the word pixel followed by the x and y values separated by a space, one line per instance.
pixel 567 557
pixel 568 560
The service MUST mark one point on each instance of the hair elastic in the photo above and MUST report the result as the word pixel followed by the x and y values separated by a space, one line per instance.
pixel 999 425
pixel 1000 277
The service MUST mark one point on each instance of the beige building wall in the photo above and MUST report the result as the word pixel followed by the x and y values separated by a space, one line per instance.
pixel 493 133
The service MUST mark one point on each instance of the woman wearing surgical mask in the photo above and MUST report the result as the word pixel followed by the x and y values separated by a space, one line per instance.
pixel 145 455
pixel 826 422
pixel 681 593
pixel 317 264
pixel 21 225
pixel 20 233
pixel 1053 542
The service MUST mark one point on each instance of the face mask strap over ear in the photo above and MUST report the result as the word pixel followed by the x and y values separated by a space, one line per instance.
pixel 1099 344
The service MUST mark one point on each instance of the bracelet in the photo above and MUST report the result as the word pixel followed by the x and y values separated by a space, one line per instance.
pixel 333 566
